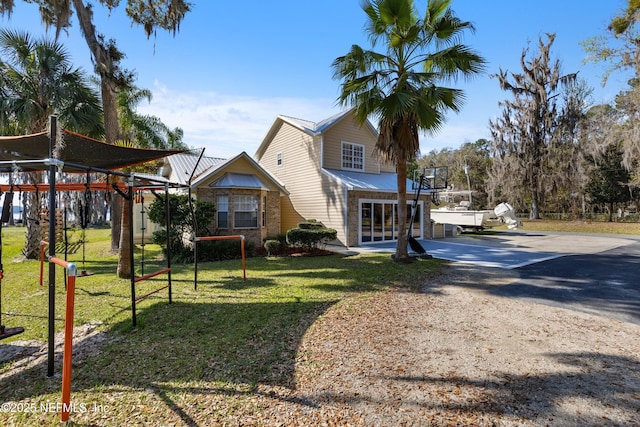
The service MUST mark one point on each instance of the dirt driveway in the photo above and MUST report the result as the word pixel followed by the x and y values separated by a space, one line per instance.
pixel 455 354
pixel 459 353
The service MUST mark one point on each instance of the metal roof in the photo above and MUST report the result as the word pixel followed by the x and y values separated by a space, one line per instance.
pixel 182 166
pixel 319 127
pixel 238 180
pixel 384 181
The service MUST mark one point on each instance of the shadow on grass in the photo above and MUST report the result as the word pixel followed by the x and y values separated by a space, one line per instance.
pixel 228 348
pixel 229 337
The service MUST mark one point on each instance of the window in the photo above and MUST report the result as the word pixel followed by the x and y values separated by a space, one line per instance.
pixel 279 159
pixel 352 156
pixel 245 211
pixel 264 211
pixel 222 214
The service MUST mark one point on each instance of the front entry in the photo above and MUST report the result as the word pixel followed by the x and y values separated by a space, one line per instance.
pixel 379 221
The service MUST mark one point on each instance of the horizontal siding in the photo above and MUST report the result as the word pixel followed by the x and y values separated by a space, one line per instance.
pixel 335 208
pixel 300 172
pixel 349 131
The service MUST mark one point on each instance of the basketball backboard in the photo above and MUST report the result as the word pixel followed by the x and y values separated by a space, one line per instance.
pixel 431 178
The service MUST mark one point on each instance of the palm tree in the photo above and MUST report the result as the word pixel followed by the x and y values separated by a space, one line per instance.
pixel 37 80
pixel 398 86
pixel 144 131
pixel 151 15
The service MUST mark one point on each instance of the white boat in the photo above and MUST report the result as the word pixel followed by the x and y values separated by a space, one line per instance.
pixel 475 220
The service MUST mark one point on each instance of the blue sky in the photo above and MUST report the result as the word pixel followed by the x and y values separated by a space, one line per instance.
pixel 234 66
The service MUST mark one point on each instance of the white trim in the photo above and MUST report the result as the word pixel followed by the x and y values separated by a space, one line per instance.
pixel 353 146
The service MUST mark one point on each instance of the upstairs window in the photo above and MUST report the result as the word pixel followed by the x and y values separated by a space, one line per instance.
pixel 279 159
pixel 352 156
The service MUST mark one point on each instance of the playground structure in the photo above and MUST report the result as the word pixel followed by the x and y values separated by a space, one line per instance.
pixel 213 238
pixel 73 153
pixel 197 238
pixel 58 151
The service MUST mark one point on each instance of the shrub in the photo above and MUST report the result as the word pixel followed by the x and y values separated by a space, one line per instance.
pixel 310 235
pixel 273 247
pixel 181 224
pixel 219 250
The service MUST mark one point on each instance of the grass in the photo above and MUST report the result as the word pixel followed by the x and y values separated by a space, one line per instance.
pixel 222 341
pixel 583 226
pixel 213 353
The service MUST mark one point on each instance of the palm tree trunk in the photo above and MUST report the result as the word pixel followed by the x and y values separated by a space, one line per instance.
pixel 402 252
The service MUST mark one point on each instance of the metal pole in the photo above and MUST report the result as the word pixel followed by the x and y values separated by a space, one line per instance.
pixel 466 172
pixel 167 205
pixel 131 258
pixel 195 242
pixel 53 131
pixel 195 225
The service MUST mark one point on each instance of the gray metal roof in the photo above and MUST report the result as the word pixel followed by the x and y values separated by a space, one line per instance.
pixel 182 166
pixel 384 181
pixel 316 128
pixel 238 180
pixel 307 126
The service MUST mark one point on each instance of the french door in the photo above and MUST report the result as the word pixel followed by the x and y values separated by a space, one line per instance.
pixel 379 221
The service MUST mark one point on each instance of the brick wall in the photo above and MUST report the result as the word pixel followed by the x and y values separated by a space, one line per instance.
pixel 253 235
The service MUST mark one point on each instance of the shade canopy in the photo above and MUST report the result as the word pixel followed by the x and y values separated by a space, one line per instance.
pixel 29 152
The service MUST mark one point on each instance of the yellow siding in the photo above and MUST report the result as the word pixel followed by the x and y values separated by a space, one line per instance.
pixel 300 172
pixel 349 131
pixel 242 166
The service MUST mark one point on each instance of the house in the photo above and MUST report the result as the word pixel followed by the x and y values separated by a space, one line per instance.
pixel 247 197
pixel 332 175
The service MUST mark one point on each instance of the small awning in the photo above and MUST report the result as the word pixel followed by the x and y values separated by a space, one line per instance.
pixel 29 152
pixel 238 180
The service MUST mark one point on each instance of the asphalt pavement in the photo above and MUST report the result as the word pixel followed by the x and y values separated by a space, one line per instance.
pixel 594 273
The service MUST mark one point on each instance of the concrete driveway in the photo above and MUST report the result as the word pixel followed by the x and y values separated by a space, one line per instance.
pixel 599 274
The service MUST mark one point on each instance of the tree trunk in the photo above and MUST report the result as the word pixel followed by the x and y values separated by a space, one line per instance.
pixel 611 206
pixel 534 213
pixel 31 220
pixel 106 67
pixel 124 268
pixel 402 253
pixel 116 217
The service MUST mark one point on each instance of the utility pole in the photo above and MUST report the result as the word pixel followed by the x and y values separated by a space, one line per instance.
pixel 466 172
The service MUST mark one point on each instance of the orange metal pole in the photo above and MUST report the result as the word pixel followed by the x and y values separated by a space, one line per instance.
pixel 239 236
pixel 68 336
pixel 244 264
pixel 150 275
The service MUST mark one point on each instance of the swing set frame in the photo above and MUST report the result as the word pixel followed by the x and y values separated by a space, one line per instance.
pixel 125 189
pixel 54 165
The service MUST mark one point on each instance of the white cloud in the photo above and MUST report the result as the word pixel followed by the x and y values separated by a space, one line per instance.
pixel 452 135
pixel 227 125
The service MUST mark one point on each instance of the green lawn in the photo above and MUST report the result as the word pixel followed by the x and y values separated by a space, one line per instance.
pixel 228 336
pixel 583 226
pixel 223 349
